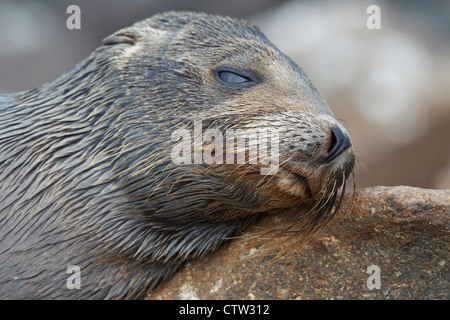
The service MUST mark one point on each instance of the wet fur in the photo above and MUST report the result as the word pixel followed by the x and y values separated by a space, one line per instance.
pixel 85 171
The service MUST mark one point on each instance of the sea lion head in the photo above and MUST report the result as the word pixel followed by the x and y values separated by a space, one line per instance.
pixel 223 73
pixel 135 161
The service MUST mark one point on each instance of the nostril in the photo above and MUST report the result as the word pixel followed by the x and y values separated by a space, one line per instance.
pixel 339 143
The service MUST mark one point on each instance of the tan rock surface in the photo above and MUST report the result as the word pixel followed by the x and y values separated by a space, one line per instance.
pixel 402 230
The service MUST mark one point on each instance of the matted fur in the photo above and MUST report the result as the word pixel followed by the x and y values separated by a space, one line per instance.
pixel 85 171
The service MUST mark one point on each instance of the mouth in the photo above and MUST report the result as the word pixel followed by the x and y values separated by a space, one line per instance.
pixel 294 181
pixel 302 180
pixel 318 190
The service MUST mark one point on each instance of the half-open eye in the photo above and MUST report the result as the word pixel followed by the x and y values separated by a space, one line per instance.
pixel 231 77
pixel 234 78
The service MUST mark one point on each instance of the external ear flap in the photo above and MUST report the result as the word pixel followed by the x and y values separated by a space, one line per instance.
pixel 122 36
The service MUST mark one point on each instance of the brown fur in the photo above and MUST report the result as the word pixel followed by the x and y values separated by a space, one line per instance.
pixel 86 176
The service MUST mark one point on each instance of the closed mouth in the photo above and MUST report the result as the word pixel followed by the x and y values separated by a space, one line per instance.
pixel 297 176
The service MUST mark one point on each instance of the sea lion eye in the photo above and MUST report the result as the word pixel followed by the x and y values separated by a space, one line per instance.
pixel 234 77
pixel 231 77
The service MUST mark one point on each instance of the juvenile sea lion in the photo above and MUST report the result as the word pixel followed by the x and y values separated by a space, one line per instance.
pixel 86 171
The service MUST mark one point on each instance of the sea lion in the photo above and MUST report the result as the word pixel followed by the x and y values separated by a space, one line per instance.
pixel 87 176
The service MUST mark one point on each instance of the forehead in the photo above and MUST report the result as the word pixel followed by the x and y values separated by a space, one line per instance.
pixel 207 40
pixel 210 28
pixel 222 39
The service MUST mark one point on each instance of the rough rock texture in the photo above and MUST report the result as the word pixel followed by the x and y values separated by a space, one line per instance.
pixel 402 230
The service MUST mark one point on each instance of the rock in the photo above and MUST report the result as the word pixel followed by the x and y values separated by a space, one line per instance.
pixel 403 231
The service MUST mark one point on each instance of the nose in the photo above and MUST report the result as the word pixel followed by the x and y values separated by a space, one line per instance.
pixel 339 143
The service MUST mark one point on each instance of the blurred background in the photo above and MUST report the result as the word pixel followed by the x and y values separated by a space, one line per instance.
pixel 389 87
